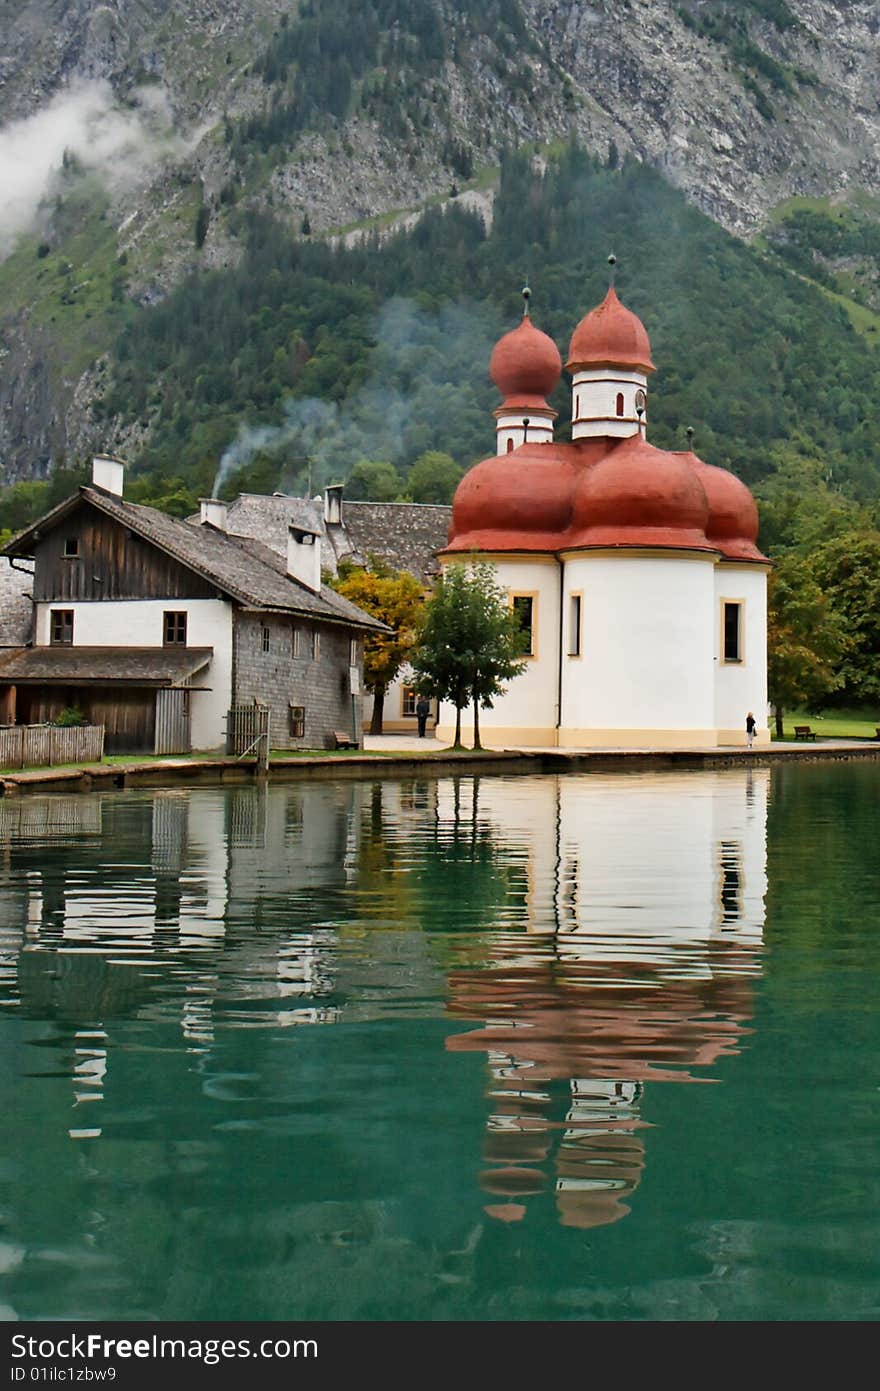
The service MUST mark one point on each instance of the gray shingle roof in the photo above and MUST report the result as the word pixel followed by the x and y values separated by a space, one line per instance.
pixel 406 535
pixel 15 605
pixel 237 565
pixel 151 666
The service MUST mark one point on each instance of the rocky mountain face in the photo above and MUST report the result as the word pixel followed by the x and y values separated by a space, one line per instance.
pixel 741 105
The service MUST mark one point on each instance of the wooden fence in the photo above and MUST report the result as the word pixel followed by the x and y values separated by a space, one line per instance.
pixel 43 745
pixel 247 733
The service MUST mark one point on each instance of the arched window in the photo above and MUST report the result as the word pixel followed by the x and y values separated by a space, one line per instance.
pixel 510 444
pixel 620 403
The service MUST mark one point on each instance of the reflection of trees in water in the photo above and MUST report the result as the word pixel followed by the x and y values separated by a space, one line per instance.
pixel 459 878
pixel 570 1046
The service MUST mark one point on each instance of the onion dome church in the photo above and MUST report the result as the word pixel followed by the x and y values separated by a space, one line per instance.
pixel 634 570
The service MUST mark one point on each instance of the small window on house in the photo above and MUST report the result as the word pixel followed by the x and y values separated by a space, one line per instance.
pixel 408 702
pixel 295 642
pixel 620 403
pixel 316 644
pixel 574 625
pixel 732 632
pixel 524 608
pixel 266 637
pixel 353 652
pixel 61 627
pixel 297 721
pixel 174 629
pixel 71 547
pixel 510 445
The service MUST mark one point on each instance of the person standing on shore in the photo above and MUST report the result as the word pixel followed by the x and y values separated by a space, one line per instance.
pixel 423 709
pixel 750 728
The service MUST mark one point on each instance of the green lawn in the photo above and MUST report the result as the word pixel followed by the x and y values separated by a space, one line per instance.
pixel 835 724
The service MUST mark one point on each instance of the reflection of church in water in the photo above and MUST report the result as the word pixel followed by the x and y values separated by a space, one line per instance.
pixel 619 953
pixel 645 912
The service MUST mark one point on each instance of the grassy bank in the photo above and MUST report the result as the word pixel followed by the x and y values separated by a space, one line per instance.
pixel 835 724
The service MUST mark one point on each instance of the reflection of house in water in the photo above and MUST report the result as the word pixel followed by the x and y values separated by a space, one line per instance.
pixel 101 897
pixel 645 924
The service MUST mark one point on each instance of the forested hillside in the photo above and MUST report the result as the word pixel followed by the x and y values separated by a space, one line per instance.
pixel 142 144
pixel 395 337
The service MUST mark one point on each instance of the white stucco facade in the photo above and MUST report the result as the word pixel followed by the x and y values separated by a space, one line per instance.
pixel 140 623
pixel 741 686
pixel 643 672
pixel 604 402
pixel 515 427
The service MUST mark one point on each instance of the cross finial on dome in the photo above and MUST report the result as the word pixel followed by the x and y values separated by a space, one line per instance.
pixel 612 262
pixel 527 295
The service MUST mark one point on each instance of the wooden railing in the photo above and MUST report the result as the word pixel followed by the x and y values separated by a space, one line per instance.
pixel 43 745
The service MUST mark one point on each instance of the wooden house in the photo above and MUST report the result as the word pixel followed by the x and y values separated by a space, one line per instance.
pixel 156 628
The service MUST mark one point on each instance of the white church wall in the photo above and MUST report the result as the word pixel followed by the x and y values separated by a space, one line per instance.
pixel 526 713
pixel 645 674
pixel 594 394
pixel 741 686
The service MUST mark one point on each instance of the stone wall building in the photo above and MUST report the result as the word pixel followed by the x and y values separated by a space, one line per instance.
pixel 157 628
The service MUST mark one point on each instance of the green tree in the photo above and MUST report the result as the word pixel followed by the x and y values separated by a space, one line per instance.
pixel 373 481
pixel 433 477
pixel 805 639
pixel 847 569
pixel 397 599
pixel 471 644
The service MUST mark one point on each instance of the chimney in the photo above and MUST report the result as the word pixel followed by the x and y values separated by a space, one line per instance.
pixel 213 513
pixel 333 505
pixel 108 474
pixel 304 556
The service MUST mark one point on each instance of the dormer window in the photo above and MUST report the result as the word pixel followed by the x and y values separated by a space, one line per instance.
pixel 71 547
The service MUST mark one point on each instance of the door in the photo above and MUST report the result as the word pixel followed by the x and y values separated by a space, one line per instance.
pixel 173 720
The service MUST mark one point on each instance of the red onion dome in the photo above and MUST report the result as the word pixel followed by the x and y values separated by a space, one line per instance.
pixel 733 514
pixel 610 335
pixel 525 363
pixel 517 501
pixel 640 496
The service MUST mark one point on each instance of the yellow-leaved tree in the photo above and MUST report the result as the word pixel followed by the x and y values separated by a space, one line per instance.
pixel 398 599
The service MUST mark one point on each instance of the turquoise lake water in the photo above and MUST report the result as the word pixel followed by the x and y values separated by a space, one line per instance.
pixel 591 1047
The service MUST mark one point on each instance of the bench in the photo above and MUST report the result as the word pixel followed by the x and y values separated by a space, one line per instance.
pixel 343 741
pixel 803 731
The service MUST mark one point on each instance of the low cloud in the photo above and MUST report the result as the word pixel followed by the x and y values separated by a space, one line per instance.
pixel 120 144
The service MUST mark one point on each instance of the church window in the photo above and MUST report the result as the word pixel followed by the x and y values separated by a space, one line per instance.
pixel 732 638
pixel 574 625
pixel 524 609
pixel 510 444
pixel 620 403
